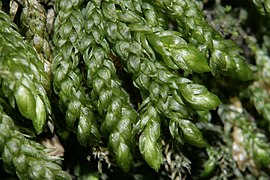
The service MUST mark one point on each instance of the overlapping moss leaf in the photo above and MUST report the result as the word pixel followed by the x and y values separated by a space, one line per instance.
pixel 23 78
pixel 25 158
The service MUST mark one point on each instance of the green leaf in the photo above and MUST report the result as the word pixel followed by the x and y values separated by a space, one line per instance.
pixel 175 131
pixel 25 101
pixel 41 115
pixel 198 96
pixel 243 71
pixel 209 168
pixel 194 60
pixel 191 133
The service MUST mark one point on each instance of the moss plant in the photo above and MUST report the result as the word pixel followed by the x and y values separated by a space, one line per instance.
pixel 134 89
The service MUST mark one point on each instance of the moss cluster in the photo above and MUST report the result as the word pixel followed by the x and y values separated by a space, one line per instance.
pixel 134 89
